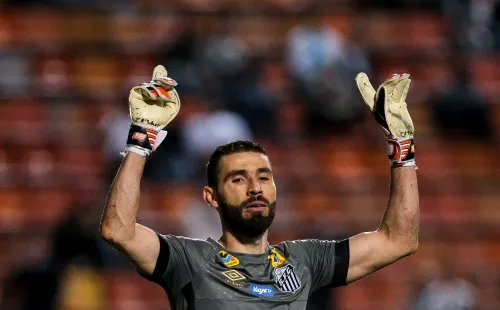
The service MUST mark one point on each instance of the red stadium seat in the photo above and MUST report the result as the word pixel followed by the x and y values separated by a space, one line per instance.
pixel 486 76
pixel 25 117
pixel 85 27
pixel 96 76
pixel 486 208
pixel 6 28
pixel 45 207
pixel 420 114
pixel 173 199
pixel 474 158
pixel 43 29
pixel 128 290
pixel 341 21
pixel 11 209
pixel 424 32
pixel 70 124
pixel 134 70
pixel 80 162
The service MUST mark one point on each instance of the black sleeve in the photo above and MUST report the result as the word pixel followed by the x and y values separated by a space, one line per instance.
pixel 342 257
pixel 178 260
pixel 161 262
pixel 328 260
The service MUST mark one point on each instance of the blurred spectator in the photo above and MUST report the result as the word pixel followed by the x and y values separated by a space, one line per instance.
pixel 15 74
pixel 459 110
pixel 319 64
pixel 246 94
pixel 224 53
pixel 169 163
pixel 114 124
pixel 75 242
pixel 209 128
pixel 445 291
pixel 201 221
pixel 234 77
pixel 313 48
pixel 39 169
pixel 495 24
pixel 481 37
pixel 52 78
pixel 180 55
pixel 470 23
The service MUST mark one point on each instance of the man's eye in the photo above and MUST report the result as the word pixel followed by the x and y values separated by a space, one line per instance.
pixel 237 180
pixel 264 178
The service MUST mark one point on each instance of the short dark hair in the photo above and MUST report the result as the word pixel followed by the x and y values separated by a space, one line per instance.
pixel 238 146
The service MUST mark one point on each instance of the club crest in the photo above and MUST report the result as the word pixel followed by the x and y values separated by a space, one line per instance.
pixel 228 259
pixel 286 279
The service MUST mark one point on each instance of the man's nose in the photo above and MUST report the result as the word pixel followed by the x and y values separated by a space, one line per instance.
pixel 254 188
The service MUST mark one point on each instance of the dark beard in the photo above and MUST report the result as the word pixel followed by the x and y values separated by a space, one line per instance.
pixel 243 228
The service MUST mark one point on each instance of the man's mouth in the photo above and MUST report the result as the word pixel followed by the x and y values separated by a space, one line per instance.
pixel 256 206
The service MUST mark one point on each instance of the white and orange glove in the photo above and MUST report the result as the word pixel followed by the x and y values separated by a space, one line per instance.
pixel 152 106
pixel 389 109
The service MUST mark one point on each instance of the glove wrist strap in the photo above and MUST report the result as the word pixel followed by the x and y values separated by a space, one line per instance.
pixel 401 152
pixel 141 140
pixel 137 150
pixel 144 140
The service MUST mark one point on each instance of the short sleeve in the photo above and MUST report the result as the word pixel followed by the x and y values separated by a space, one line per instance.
pixel 328 261
pixel 178 260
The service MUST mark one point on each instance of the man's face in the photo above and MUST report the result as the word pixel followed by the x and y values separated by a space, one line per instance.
pixel 246 193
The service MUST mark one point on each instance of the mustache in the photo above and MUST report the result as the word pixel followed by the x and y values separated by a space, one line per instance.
pixel 255 198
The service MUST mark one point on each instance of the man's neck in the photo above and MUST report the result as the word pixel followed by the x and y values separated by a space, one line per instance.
pixel 244 245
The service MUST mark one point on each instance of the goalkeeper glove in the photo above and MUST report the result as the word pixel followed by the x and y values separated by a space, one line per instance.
pixel 389 109
pixel 152 106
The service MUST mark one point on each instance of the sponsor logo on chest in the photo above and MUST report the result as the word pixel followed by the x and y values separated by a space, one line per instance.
pixel 286 279
pixel 261 290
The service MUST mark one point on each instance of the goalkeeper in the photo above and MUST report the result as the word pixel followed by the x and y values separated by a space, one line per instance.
pixel 240 269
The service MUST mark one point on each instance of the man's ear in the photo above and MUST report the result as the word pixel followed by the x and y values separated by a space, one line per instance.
pixel 210 197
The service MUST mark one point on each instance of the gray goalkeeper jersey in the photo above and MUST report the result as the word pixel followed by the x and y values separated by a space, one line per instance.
pixel 201 274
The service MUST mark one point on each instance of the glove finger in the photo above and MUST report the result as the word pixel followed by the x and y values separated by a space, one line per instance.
pixel 366 89
pixel 390 83
pixel 393 78
pixel 399 85
pixel 405 92
pixel 166 82
pixel 159 72
pixel 146 91
pixel 161 92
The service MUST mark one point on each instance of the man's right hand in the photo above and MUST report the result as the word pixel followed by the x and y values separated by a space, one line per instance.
pixel 152 106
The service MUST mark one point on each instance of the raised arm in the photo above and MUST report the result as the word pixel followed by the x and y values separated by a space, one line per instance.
pixel 118 223
pixel 152 106
pixel 397 235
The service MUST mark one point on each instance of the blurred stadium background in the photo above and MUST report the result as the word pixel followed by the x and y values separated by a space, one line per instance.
pixel 280 72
